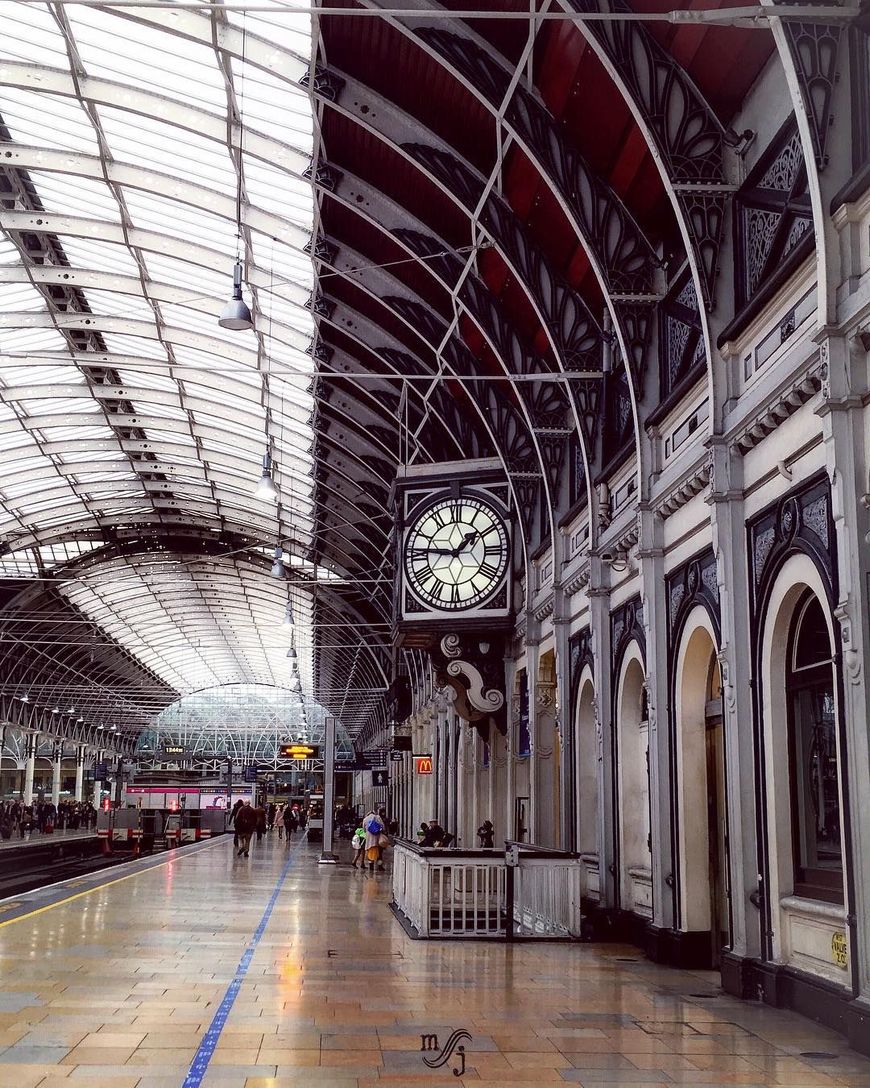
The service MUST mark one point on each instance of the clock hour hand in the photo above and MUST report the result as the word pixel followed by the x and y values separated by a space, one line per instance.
pixel 466 540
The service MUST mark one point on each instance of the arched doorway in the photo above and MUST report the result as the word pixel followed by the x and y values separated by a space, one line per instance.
pixel 635 875
pixel 802 776
pixel 586 777
pixel 701 799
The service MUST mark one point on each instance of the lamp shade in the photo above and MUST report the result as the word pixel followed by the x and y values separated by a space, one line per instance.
pixel 236 315
pixel 278 570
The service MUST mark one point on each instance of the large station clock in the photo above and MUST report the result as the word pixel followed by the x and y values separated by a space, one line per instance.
pixel 454 549
pixel 456 553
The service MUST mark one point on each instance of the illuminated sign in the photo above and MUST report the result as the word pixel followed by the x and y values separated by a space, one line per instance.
pixel 299 751
pixel 423 764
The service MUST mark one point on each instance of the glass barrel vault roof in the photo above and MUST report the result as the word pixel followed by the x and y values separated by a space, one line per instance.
pixel 124 407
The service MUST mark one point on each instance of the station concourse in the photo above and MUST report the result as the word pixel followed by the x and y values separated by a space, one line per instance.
pixel 434 542
pixel 337 994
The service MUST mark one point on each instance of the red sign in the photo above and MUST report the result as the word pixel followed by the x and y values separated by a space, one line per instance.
pixel 423 764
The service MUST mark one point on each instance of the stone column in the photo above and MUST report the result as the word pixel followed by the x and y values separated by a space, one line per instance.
pixel 599 616
pixel 56 761
pixel 80 771
pixel 728 519
pixel 655 617
pixel 29 767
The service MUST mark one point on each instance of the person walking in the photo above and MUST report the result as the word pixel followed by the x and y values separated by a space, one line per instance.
pixel 290 822
pixel 245 825
pixel 261 822
pixel 374 828
pixel 358 842
pixel 279 820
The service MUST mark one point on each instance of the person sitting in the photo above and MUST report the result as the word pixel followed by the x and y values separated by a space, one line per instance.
pixel 486 835
pixel 434 834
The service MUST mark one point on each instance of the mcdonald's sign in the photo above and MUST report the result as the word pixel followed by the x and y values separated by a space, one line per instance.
pixel 423 764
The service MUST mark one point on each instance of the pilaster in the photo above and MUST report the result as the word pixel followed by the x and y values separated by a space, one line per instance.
pixel 728 522
pixel 843 428
pixel 661 800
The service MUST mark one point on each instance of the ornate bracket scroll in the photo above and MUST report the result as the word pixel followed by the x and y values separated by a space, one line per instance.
pixel 473 666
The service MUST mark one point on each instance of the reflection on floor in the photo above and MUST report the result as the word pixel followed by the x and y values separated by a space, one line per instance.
pixel 118 988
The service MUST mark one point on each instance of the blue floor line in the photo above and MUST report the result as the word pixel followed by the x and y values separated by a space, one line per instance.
pixel 203 1056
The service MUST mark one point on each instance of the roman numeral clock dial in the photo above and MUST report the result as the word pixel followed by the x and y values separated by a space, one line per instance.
pixel 456 554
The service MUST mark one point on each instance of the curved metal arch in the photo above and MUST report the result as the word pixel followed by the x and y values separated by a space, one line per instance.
pixel 117 283
pixel 175 190
pixel 432 329
pixel 631 323
pixel 396 350
pixel 563 314
pixel 489 402
pixel 100 91
pixel 698 190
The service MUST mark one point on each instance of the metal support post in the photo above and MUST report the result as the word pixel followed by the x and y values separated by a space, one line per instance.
pixel 57 757
pixel 80 771
pixel 29 768
pixel 327 857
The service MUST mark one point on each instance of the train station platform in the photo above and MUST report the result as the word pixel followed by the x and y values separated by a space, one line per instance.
pixel 206 970
pixel 36 839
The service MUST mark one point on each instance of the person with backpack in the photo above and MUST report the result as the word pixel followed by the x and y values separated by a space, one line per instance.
pixel 374 828
pixel 358 842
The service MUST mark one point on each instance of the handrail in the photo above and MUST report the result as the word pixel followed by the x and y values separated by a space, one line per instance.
pixel 544 852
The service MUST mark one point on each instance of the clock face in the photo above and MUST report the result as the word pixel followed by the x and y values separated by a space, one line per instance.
pixel 456 553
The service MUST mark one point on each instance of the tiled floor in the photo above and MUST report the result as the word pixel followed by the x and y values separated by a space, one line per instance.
pixel 117 988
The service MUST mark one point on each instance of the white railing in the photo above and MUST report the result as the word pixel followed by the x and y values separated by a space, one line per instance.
pixel 547 894
pixel 480 893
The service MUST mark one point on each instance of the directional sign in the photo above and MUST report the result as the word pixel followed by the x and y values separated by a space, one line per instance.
pixel 250 774
pixel 396 756
pixel 363 761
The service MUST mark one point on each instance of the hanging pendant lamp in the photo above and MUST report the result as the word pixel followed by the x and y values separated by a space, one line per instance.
pixel 266 485
pixel 278 570
pixel 236 315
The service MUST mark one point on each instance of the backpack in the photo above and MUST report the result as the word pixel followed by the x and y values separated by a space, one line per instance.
pixel 374 826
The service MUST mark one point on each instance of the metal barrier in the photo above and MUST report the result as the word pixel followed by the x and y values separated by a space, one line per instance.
pixel 524 893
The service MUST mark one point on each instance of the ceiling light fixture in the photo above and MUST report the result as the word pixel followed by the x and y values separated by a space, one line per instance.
pixel 278 570
pixel 266 486
pixel 25 698
pixel 236 315
pixel 289 619
pixel 294 683
pixel 291 653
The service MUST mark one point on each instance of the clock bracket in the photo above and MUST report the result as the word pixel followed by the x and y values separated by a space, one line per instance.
pixel 473 666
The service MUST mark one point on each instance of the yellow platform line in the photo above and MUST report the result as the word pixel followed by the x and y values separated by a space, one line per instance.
pixel 99 887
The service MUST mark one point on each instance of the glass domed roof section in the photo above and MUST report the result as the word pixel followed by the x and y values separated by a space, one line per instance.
pixel 125 409
pixel 245 721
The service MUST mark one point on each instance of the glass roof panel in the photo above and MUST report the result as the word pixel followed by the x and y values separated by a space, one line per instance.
pixel 153 348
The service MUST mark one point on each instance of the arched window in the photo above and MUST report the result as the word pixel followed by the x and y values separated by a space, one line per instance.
pixel 813 757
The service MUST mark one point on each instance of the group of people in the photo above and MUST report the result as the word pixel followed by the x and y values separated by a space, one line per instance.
pixel 248 821
pixel 433 836
pixel 44 817
pixel 371 839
